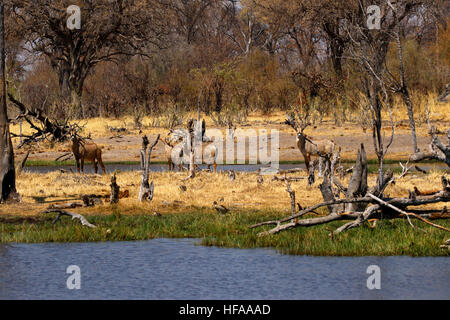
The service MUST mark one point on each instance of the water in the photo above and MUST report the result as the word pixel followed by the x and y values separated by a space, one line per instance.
pixel 89 168
pixel 179 269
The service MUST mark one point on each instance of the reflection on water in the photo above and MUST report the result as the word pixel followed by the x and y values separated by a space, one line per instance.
pixel 179 269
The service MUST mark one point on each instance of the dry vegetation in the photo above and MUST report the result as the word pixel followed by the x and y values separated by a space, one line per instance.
pixel 38 191
pixel 126 147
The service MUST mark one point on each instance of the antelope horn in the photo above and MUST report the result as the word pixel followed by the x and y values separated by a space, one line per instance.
pixel 310 141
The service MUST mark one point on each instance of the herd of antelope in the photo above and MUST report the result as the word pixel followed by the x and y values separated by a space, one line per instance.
pixel 177 157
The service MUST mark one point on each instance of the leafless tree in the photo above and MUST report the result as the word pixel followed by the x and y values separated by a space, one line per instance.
pixel 369 48
pixel 190 15
pixel 244 29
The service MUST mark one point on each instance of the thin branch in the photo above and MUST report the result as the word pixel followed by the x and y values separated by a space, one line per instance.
pixel 74 216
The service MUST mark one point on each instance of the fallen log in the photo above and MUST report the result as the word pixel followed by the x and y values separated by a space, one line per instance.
pixel 359 217
pixel 74 216
pixel 307 222
pixel 69 205
pixel 276 178
pixel 438 151
pixel 311 209
pixel 406 213
pixel 361 203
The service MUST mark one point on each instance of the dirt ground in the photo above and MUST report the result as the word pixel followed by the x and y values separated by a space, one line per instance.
pixel 126 147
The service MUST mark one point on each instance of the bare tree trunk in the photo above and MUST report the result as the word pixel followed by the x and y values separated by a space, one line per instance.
pixel 7 171
pixel 146 189
pixel 412 124
pixel 405 93
pixel 191 146
pixel 115 189
pixel 76 104
pixel 357 185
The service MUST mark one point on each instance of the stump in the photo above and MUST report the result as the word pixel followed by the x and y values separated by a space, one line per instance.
pixel 114 198
pixel 146 189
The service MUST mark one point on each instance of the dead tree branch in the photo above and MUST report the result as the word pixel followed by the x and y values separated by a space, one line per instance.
pixel 74 216
pixel 438 151
pixel 406 213
pixel 45 128
pixel 361 203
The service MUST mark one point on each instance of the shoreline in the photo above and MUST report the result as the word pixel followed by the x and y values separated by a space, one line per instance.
pixel 389 238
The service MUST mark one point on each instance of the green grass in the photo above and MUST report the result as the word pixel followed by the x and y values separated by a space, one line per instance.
pixel 390 237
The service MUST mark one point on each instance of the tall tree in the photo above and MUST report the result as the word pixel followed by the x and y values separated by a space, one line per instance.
pixel 7 172
pixel 189 16
pixel 369 47
pixel 109 29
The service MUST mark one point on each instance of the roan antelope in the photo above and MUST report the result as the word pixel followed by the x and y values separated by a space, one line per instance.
pixel 168 148
pixel 83 150
pixel 178 156
pixel 323 148
pixel 176 150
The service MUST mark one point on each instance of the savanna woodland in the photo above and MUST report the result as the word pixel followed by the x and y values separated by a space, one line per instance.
pixel 357 90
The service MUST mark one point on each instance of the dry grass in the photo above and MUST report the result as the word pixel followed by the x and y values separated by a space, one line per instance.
pixel 41 190
pixel 99 127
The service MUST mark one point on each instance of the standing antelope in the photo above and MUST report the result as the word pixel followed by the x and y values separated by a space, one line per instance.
pixel 83 150
pixel 323 148
pixel 177 153
pixel 209 155
pixel 168 148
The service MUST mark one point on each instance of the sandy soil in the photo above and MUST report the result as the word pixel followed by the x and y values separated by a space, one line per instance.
pixel 349 137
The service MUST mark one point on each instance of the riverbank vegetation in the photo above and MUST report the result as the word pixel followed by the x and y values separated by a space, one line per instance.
pixel 388 238
pixel 188 212
pixel 174 194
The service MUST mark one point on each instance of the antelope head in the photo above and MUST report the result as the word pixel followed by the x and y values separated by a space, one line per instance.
pixel 73 135
pixel 299 125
